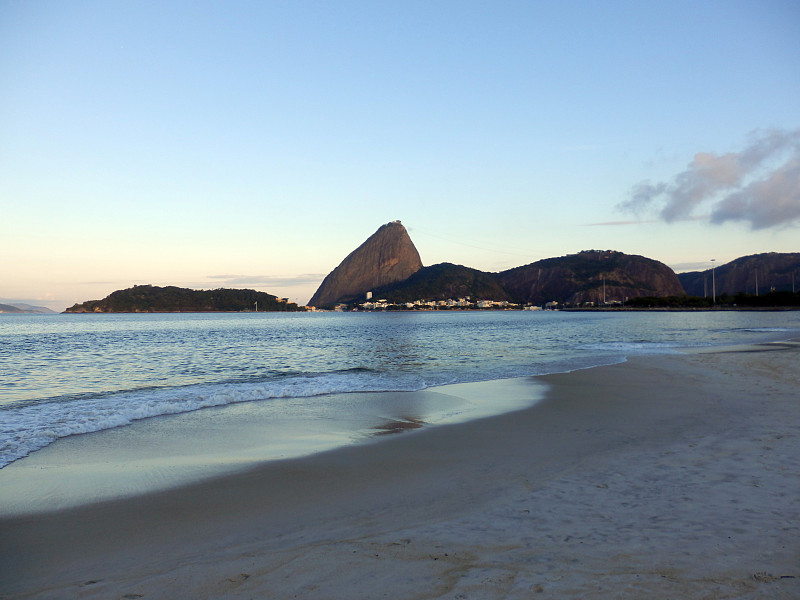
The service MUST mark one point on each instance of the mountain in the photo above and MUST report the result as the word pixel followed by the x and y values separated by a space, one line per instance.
pixel 386 257
pixel 773 270
pixel 22 308
pixel 443 281
pixel 590 276
pixel 151 299
pixel 388 265
pixel 9 308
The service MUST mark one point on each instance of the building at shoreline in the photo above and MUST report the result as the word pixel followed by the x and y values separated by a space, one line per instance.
pixel 449 304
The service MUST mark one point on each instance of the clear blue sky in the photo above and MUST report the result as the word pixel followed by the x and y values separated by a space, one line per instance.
pixel 255 144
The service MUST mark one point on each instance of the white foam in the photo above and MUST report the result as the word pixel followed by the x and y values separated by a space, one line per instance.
pixel 28 428
pixel 642 347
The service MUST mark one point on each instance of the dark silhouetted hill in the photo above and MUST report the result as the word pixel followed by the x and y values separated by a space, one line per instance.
pixel 589 276
pixel 753 274
pixel 441 282
pixel 154 299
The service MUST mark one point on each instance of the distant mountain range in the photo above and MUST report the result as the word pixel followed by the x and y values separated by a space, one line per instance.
pixel 591 276
pixel 19 308
pixel 388 265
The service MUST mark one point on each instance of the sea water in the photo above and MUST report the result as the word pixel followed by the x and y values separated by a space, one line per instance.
pixel 62 375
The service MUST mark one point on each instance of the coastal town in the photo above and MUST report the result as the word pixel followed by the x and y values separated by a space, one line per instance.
pixel 464 303
pixel 448 304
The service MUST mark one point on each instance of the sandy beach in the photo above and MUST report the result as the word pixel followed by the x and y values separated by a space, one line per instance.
pixel 673 476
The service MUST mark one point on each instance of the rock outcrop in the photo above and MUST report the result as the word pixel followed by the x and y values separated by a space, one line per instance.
pixel 388 256
pixel 590 276
pixel 756 273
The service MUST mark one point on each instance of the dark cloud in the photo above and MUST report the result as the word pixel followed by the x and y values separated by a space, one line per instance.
pixel 759 185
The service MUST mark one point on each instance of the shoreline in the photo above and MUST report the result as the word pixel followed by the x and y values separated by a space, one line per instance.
pixel 778 308
pixel 170 451
pixel 665 476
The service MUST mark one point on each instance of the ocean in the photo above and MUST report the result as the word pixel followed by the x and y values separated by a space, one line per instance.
pixel 62 375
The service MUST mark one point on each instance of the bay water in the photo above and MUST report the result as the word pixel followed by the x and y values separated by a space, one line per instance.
pixel 62 375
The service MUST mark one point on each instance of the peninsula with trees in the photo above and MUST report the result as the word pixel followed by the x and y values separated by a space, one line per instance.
pixel 155 299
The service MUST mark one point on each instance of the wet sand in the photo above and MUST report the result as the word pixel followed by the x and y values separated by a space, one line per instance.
pixel 665 477
pixel 175 450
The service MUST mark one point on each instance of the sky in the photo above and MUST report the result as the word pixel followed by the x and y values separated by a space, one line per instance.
pixel 256 143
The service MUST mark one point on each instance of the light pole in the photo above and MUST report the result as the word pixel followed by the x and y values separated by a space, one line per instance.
pixel 713 284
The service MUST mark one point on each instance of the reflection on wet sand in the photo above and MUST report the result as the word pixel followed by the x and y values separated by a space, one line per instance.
pixel 399 426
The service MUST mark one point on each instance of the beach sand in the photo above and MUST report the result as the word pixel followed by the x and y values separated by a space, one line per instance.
pixel 674 476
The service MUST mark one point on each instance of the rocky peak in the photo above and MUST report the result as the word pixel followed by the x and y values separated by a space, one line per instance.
pixel 387 256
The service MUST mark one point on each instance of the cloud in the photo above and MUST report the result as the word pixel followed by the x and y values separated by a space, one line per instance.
pixel 642 221
pixel 769 202
pixel 617 223
pixel 268 280
pixel 759 185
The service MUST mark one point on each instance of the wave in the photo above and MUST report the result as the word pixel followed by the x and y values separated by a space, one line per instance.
pixel 29 425
pixel 27 428
pixel 635 347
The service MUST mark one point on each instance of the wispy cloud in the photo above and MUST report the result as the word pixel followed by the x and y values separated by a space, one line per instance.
pixel 266 280
pixel 759 185
pixel 117 282
pixel 642 221
pixel 617 223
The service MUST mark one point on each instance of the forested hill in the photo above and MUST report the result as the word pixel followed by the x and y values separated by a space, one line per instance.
pixel 443 281
pixel 590 276
pixel 154 299
pixel 754 274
